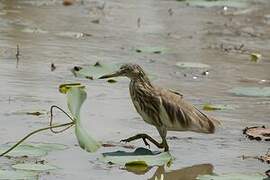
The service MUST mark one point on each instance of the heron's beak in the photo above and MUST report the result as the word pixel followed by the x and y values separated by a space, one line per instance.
pixel 115 74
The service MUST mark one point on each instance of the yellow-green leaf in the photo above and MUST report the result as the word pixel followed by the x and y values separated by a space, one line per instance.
pixel 255 57
pixel 63 88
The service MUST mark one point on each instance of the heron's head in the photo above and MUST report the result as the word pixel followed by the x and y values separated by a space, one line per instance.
pixel 132 71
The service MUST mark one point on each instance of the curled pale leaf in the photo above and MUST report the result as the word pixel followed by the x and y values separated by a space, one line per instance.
pixel 75 98
pixel 85 140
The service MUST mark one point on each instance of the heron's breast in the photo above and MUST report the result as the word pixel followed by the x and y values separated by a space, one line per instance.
pixel 143 114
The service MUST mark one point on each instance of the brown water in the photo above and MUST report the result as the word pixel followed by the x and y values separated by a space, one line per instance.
pixel 48 32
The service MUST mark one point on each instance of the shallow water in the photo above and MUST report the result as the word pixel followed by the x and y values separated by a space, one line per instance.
pixel 48 32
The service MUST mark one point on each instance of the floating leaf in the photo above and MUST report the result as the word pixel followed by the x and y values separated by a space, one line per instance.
pixel 34 167
pixel 15 175
pixel 213 3
pixel 75 97
pixel 232 177
pixel 72 34
pixel 139 155
pixel 254 80
pixel 255 57
pixel 191 65
pixel 35 31
pixel 23 150
pixel 95 71
pixel 137 166
pixel 213 107
pixel 257 133
pixel 155 50
pixel 50 146
pixel 251 91
pixel 99 69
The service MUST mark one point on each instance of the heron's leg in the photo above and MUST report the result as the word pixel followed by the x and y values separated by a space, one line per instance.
pixel 163 133
pixel 144 137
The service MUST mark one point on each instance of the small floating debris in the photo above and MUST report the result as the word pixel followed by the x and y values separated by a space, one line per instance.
pixel 111 81
pixel 29 112
pixel 257 133
pixel 154 50
pixel 205 73
pixel 53 67
pixel 68 2
pixel 255 57
pixel 96 21
pixel 213 107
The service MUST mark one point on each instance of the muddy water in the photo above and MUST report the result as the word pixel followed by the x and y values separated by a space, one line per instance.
pixel 48 32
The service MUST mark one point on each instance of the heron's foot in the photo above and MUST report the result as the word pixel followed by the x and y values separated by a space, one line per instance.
pixel 145 137
pixel 135 138
pixel 166 148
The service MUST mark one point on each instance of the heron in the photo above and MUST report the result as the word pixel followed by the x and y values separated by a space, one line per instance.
pixel 163 108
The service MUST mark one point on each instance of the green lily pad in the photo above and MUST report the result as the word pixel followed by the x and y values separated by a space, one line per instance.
pixel 95 71
pixel 35 31
pixel 75 98
pixel 155 50
pixel 15 175
pixel 73 34
pixel 251 91
pixel 213 107
pixel 34 167
pixel 213 3
pixel 142 155
pixel 23 150
pixel 100 69
pixel 50 146
pixel 191 65
pixel 232 177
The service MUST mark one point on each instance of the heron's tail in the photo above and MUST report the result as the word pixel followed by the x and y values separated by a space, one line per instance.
pixel 209 123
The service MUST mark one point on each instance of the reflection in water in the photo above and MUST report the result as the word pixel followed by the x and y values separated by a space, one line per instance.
pixel 188 173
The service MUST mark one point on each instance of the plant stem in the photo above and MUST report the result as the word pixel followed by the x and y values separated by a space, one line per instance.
pixel 34 132
pixel 51 119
